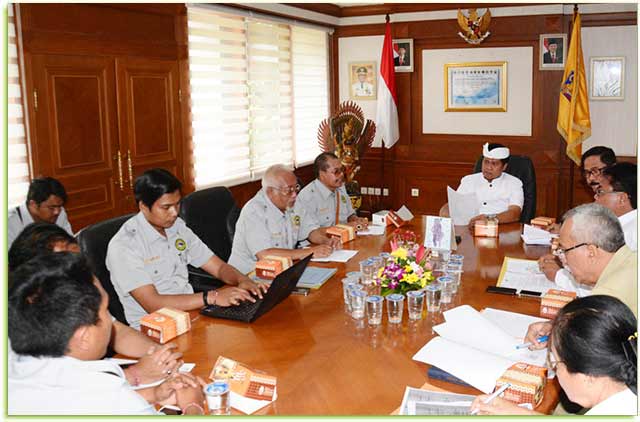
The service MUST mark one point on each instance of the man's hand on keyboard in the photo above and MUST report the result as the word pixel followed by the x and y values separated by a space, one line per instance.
pixel 230 296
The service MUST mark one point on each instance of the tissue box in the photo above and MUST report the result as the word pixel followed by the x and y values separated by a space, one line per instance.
pixel 527 383
pixel 269 267
pixel 553 301
pixel 159 327
pixel 380 218
pixel 343 232
pixel 182 319
pixel 542 222
pixel 485 229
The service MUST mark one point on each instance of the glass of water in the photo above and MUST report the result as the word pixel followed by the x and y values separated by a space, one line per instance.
pixel 367 269
pixel 374 310
pixel 395 304
pixel 446 285
pixel 454 271
pixel 346 282
pixel 415 303
pixel 433 294
pixel 357 303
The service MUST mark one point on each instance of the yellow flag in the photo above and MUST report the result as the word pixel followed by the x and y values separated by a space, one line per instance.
pixel 574 122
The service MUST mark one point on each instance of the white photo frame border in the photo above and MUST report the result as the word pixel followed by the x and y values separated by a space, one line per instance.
pixel 401 69
pixel 592 78
pixel 552 66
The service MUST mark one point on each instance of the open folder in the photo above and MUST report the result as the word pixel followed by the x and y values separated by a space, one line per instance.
pixel 476 349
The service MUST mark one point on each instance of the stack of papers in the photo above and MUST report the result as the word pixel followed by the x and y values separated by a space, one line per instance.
pixel 340 255
pixel 462 206
pixel 314 277
pixel 435 403
pixel 475 349
pixel 373 230
pixel 535 236
pixel 523 274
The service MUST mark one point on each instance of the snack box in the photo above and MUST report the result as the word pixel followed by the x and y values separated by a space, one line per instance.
pixel 527 383
pixel 343 232
pixel 553 301
pixel 159 327
pixel 395 219
pixel 182 318
pixel 542 222
pixel 380 218
pixel 485 229
pixel 270 266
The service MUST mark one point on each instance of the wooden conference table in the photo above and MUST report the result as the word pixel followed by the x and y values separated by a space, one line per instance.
pixel 330 364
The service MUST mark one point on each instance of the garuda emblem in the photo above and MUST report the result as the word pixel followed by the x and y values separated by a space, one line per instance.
pixel 348 135
pixel 474 27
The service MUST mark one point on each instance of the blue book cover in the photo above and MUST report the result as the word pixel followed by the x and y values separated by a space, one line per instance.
pixel 438 374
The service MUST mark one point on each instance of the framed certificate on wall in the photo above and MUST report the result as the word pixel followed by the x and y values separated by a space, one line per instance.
pixel 475 86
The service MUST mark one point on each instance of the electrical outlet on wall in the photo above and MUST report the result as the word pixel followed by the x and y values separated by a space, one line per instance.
pixel 363 190
pixel 370 191
pixel 377 191
pixel 385 192
pixel 415 192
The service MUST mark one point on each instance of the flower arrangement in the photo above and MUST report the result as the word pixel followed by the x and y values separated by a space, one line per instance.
pixel 407 268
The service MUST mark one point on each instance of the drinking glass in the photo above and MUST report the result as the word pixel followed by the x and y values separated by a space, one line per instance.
pixel 374 310
pixel 367 269
pixel 433 294
pixel 446 285
pixel 357 303
pixel 455 272
pixel 415 302
pixel 395 303
pixel 346 282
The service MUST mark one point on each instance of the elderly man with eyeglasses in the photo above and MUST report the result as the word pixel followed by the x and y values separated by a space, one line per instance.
pixel 326 198
pixel 270 225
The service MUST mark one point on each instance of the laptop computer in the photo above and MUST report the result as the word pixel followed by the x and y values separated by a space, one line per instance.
pixel 280 289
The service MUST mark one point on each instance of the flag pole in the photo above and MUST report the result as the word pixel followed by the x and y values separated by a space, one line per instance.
pixel 386 19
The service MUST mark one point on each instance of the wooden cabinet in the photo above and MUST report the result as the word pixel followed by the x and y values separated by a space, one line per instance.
pixel 104 100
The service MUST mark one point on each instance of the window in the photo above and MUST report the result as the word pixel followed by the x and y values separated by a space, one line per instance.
pixel 259 89
pixel 17 155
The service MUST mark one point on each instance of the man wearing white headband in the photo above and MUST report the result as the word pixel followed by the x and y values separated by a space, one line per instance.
pixel 497 192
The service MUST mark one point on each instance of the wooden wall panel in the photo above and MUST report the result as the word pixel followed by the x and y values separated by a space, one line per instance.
pixel 430 162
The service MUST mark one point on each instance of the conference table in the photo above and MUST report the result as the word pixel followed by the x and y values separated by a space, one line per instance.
pixel 327 363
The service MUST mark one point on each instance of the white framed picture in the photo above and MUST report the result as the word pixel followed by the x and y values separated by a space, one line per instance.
pixel 553 51
pixel 439 233
pixel 607 78
pixel 403 55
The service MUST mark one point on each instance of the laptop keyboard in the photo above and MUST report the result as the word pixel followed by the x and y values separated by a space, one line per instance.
pixel 242 311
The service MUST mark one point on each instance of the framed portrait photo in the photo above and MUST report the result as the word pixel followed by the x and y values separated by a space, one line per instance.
pixel 607 78
pixel 362 81
pixel 553 51
pixel 403 55
pixel 477 86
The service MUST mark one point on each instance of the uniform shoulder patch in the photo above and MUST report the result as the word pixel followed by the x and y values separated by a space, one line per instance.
pixel 181 245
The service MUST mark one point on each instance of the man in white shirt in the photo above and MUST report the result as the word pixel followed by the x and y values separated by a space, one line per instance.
pixel 362 88
pixel 60 326
pixel 325 199
pixel 45 203
pixel 497 192
pixel 148 257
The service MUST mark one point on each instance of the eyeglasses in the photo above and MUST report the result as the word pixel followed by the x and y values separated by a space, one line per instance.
pixel 561 253
pixel 335 171
pixel 552 362
pixel 287 190
pixel 594 172
pixel 602 192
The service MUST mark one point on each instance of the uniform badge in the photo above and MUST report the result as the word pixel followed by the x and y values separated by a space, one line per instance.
pixel 343 199
pixel 296 220
pixel 181 245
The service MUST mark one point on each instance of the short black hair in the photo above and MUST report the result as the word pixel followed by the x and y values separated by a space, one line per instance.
pixel 50 297
pixel 593 336
pixel 624 178
pixel 320 163
pixel 494 145
pixel 606 154
pixel 35 239
pixel 41 188
pixel 154 183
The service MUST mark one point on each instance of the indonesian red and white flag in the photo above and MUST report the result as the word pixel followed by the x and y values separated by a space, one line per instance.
pixel 387 129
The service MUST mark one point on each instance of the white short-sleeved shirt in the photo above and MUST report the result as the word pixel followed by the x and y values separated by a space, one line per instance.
pixel 621 403
pixel 319 203
pixel 261 226
pixel 629 223
pixel 139 255
pixel 69 386
pixel 494 196
pixel 19 218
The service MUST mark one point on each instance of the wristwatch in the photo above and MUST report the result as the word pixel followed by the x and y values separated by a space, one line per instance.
pixel 204 297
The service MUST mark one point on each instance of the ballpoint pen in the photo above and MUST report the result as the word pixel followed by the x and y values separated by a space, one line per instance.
pixel 541 339
pixel 493 396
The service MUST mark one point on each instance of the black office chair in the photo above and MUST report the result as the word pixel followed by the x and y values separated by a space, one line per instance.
pixel 522 168
pixel 94 241
pixel 212 215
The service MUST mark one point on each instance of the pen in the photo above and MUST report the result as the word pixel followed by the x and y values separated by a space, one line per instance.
pixel 541 339
pixel 493 396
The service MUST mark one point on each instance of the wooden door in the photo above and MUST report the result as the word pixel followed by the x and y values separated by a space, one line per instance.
pixel 149 117
pixel 73 109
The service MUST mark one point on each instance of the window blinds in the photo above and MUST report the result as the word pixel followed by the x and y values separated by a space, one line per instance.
pixel 259 90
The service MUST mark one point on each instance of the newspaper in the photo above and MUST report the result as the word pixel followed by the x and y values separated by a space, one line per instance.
pixel 434 403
